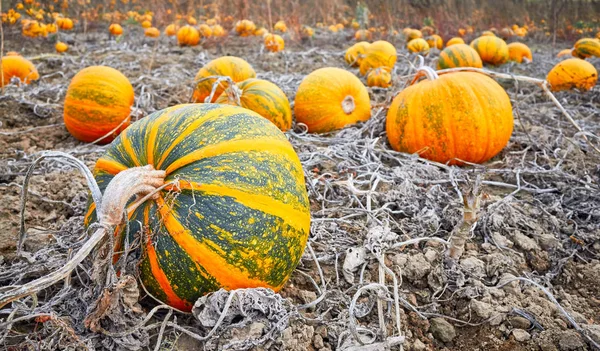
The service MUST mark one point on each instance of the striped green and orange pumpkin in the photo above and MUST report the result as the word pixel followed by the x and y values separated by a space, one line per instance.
pixel 587 47
pixel 262 97
pixel 98 100
pixel 229 66
pixel 236 215
pixel 491 49
pixel 380 77
pixel 435 41
pixel 459 55
pixel 418 46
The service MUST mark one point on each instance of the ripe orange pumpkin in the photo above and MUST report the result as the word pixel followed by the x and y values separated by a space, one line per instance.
pixel 355 54
pixel 454 41
pixel 152 32
pixel 245 28
pixel 274 43
pixel 587 47
pixel 459 55
pixel 461 115
pixel 413 34
pixel 146 24
pixel 491 49
pixel 331 98
pixel 488 33
pixel 380 77
pixel 262 97
pixel 19 67
pixel 205 31
pixel 435 41
pixel 98 99
pixel 230 66
pixel 188 36
pixel 519 52
pixel 171 30
pixel 280 27
pixel 362 35
pixel 218 31
pixel 65 23
pixel 565 52
pixel 378 54
pixel 572 73
pixel 61 47
pixel 115 29
pixel 419 46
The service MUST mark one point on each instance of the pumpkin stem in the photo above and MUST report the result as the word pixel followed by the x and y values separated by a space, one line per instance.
pixel 348 105
pixel 429 72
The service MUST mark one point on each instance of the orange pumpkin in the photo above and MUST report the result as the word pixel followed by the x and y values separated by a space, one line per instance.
pixel 146 24
pixel 572 73
pixel 378 54
pixel 188 36
pixel 454 41
pixel 379 77
pixel 565 52
pixel 61 47
pixel 98 100
pixel 459 55
pixel 152 32
pixel 65 23
pixel 414 34
pixel 355 53
pixel 362 35
pixel 280 27
pixel 457 116
pixel 205 31
pixel 418 46
pixel 435 41
pixel 227 66
pixel 115 29
pixel 16 66
pixel 587 47
pixel 331 98
pixel 218 31
pixel 491 49
pixel 274 43
pixel 171 30
pixel 519 52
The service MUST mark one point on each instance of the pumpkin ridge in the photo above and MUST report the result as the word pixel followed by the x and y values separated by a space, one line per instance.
pixel 152 133
pixel 109 166
pixel 126 142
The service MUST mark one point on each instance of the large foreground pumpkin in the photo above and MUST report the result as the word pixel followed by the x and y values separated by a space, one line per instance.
pixel 238 216
pixel 572 73
pixel 262 97
pixel 331 98
pixel 230 66
pixel 462 115
pixel 19 67
pixel 98 100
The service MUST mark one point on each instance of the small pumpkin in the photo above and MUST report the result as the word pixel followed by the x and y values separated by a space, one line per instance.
pixel 362 35
pixel 378 54
pixel 587 47
pixel 146 24
pixel 572 73
pixel 61 47
pixel 435 41
pixel 205 31
pixel 152 32
pixel 427 31
pixel 355 53
pixel 519 52
pixel 98 100
pixel 307 32
pixel 331 98
pixel 19 67
pixel 274 43
pixel 171 30
pixel 218 31
pixel 565 52
pixel 459 55
pixel 457 116
pixel 280 27
pixel 491 49
pixel 454 41
pixel 414 34
pixel 379 77
pixel 237 216
pixel 418 46
pixel 506 33
pixel 65 23
pixel 260 32
pixel 488 33
pixel 245 28
pixel 115 29
pixel 262 97
pixel 188 36
pixel 226 66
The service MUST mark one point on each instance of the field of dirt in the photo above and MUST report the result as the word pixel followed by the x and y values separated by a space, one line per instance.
pixel 538 220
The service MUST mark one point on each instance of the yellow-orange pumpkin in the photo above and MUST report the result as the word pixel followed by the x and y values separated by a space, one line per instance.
pixel 587 47
pixel 454 41
pixel 491 49
pixel 152 32
pixel 378 54
pixel 362 35
pixel 519 52
pixel 331 98
pixel 115 29
pixel 459 55
pixel 572 73
pixel 379 77
pixel 230 66
pixel 98 100
pixel 435 41
pixel 171 30
pixel 262 97
pixel 205 31
pixel 355 54
pixel 188 36
pixel 274 43
pixel 457 116
pixel 61 47
pixel 419 46
pixel 19 67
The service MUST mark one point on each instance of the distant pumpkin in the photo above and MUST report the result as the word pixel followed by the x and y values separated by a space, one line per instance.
pixel 378 54
pixel 280 27
pixel 331 98
pixel 188 36
pixel 587 47
pixel 355 53
pixel 233 67
pixel 171 30
pixel 454 41
pixel 572 73
pixel 218 31
pixel 491 49
pixel 61 47
pixel 274 43
pixel 418 46
pixel 565 52
pixel 362 35
pixel 413 34
pixel 146 24
pixel 98 100
pixel 459 55
pixel 16 66
pixel 65 23
pixel 379 77
pixel 152 32
pixel 519 52
pixel 435 41
pixel 115 29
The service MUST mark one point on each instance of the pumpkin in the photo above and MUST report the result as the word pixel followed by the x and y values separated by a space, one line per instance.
pixel 218 31
pixel 519 52
pixel 245 28
pixel 572 73
pixel 587 47
pixel 65 23
pixel 565 52
pixel 461 32
pixel 146 24
pixel 237 215
pixel 379 77
pixel 307 32
pixel 506 33
pixel 418 45
pixel 16 66
pixel 492 50
pixel 488 33
pixel 435 41
pixel 61 47
pixel 115 29
pixel 191 21
pixel 459 55
pixel 457 116
pixel 280 27
pixel 355 53
pixel 378 54
pixel 414 34
pixel 12 53
pixel 427 31
pixel 331 98
pixel 332 28
pixel 262 97
pixel 98 99
pixel 152 32
pixel 274 43
pixel 188 36
pixel 171 30
pixel 454 41
pixel 228 66
pixel 362 35
pixel 204 31
pixel 260 32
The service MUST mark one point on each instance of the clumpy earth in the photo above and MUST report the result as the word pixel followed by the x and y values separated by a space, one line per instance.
pixel 538 219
